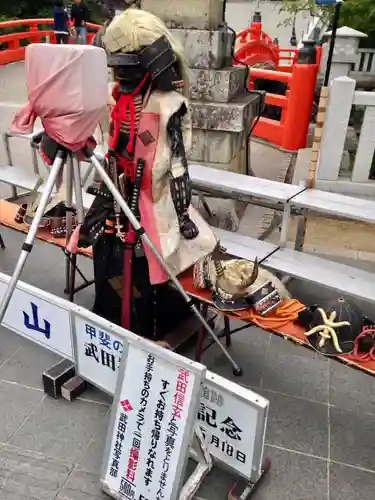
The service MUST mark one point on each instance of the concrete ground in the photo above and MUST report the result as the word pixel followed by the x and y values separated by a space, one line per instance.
pixel 320 434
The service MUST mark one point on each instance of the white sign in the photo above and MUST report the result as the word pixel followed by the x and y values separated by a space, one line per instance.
pixel 232 418
pixel 35 314
pixel 152 424
pixel 233 423
pixel 98 352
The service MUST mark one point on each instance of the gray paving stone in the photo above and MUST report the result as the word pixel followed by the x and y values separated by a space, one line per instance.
pixel 53 282
pixel 26 475
pixel 216 485
pixel 287 347
pixel 28 364
pixel 82 485
pixel 34 265
pixel 297 424
pixel 293 477
pixel 348 483
pixel 248 350
pixel 351 389
pixel 93 456
pixel 299 375
pixel 60 428
pixel 352 438
pixel 16 403
pixel 92 393
pixel 10 343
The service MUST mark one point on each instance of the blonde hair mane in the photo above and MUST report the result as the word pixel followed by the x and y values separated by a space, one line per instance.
pixel 135 29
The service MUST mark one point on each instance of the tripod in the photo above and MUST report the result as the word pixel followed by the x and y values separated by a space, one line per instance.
pixel 73 178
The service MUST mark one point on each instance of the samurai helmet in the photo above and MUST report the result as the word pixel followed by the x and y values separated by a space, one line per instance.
pixel 139 45
pixel 231 283
pixel 238 284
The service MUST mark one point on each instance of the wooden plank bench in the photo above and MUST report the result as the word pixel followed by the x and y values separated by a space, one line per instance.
pixel 344 279
pixel 240 187
pixel 337 205
pixel 290 198
pixel 15 176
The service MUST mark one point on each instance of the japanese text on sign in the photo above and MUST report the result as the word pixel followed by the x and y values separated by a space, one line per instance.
pixel 156 396
pixel 156 432
pixel 224 433
pixel 172 428
pixel 106 351
pixel 98 352
pixel 117 451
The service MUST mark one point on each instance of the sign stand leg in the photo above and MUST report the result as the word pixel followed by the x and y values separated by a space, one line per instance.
pixel 204 466
pixel 239 492
pixel 237 371
pixel 2 244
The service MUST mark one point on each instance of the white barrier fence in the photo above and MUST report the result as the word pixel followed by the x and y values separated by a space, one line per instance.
pixel 231 418
pixel 364 68
pixel 342 96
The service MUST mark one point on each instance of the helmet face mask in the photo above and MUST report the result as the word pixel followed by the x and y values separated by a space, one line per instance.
pixel 158 60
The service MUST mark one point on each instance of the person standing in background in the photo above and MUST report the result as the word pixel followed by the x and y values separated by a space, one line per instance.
pixel 79 15
pixel 60 22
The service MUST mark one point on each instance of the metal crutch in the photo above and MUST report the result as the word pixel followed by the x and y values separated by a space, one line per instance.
pixel 237 371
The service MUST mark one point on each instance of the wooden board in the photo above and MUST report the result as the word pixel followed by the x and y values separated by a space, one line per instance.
pixel 290 331
pixel 7 214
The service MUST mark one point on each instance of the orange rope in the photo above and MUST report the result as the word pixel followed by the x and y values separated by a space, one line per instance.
pixel 285 313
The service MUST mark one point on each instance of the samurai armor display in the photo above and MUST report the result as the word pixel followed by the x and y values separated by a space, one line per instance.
pixel 150 134
pixel 155 310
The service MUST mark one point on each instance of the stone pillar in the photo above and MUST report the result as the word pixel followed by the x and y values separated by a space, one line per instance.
pixel 222 111
pixel 344 54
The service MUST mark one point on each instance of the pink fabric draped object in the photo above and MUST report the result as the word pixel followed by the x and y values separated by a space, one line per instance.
pixel 67 87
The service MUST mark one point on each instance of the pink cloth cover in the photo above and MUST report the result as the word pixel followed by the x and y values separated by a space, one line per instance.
pixel 149 122
pixel 67 87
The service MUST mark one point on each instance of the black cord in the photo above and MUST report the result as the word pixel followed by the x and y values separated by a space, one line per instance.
pixel 261 97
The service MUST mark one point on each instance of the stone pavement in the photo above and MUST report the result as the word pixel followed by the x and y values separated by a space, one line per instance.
pixel 320 429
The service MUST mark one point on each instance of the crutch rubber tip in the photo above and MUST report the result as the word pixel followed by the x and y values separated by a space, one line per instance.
pixel 237 372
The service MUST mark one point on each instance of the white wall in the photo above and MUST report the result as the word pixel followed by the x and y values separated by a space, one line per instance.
pixel 238 16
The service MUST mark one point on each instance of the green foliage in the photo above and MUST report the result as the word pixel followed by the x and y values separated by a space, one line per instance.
pixel 357 14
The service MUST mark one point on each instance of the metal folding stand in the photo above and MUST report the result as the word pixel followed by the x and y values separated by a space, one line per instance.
pixel 27 246
pixel 242 490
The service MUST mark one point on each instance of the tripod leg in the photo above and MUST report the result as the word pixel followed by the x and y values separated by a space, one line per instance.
pixel 31 235
pixel 138 228
pixel 2 244
pixel 69 218
pixel 80 217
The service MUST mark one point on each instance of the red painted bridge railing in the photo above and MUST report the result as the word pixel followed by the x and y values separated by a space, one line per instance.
pixel 253 47
pixel 297 70
pixel 13 42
